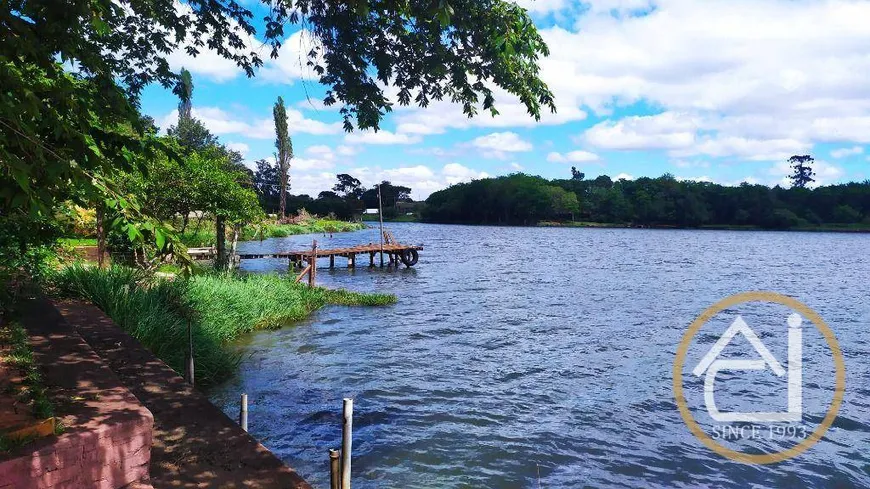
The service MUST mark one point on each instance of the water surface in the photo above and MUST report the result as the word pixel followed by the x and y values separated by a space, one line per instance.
pixel 541 357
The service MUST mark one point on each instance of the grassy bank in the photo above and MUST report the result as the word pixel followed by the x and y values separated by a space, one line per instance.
pixel 204 234
pixel 221 308
pixel 310 226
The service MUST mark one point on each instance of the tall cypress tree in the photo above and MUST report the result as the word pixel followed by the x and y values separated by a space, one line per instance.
pixel 184 91
pixel 285 152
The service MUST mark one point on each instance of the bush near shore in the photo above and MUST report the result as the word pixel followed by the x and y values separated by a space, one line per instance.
pixel 221 307
pixel 205 236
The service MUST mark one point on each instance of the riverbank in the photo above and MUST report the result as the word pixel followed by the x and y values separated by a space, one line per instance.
pixel 220 308
pixel 826 228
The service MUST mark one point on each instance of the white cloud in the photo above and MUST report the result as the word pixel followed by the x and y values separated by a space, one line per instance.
pixel 543 6
pixel 441 116
pixel 242 148
pixel 572 157
pixel 220 122
pixel 207 63
pixel 623 176
pixel 292 61
pixel 423 180
pixel 663 131
pixel 455 173
pixel 498 144
pixel 844 152
pixel 345 150
pixel 311 183
pixel 749 149
pixel 683 134
pixel 380 137
pixel 702 178
pixel 734 71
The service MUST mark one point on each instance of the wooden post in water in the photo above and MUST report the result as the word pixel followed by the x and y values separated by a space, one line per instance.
pixel 334 469
pixel 381 218
pixel 346 442
pixel 189 367
pixel 331 261
pixel 243 412
pixel 312 262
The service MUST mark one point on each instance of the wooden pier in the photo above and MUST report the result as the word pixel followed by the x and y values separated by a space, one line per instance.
pixel 394 252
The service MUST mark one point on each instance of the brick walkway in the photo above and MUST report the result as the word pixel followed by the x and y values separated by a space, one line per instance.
pixel 195 444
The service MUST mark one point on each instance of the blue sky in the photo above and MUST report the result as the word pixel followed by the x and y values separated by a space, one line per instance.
pixel 719 91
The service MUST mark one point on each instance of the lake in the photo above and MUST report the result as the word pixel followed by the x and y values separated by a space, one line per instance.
pixel 541 357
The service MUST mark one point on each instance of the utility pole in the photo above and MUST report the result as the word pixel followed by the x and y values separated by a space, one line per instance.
pixel 381 218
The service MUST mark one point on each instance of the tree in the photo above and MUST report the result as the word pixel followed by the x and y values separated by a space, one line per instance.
pixel 184 91
pixel 562 202
pixel 264 185
pixel 577 174
pixel 348 186
pixel 803 172
pixel 285 152
pixel 192 135
pixel 72 74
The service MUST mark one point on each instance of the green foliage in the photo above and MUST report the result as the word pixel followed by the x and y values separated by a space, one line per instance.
pixel 27 246
pixel 221 306
pixel 230 305
pixel 803 171
pixel 427 51
pixel 285 153
pixel 184 91
pixel 72 73
pixel 663 201
pixel 154 312
pixel 198 181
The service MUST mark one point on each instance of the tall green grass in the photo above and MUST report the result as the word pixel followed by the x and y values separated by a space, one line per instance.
pixel 205 236
pixel 221 307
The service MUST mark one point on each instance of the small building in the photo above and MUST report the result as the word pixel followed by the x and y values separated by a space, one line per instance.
pixel 371 211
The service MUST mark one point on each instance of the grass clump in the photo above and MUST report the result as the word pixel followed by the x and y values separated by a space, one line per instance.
pixel 77 241
pixel 221 307
pixel 308 226
pixel 232 305
pixel 155 312
pixel 18 355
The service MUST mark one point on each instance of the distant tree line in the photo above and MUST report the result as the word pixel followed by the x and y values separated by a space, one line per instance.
pixel 662 201
pixel 347 199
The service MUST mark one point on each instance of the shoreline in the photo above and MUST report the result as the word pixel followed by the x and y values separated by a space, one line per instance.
pixel 709 227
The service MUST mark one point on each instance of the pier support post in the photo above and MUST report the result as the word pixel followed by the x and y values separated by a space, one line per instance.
pixel 331 261
pixel 351 260
pixel 312 263
pixel 346 442
pixel 334 469
pixel 371 258
pixel 243 412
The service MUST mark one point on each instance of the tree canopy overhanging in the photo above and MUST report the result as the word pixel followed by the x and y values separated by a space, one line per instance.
pixel 72 73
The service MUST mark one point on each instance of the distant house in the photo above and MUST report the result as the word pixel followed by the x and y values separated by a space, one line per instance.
pixel 370 211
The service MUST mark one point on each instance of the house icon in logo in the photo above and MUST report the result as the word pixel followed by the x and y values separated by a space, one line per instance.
pixel 711 364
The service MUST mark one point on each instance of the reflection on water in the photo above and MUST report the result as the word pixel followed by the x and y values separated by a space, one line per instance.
pixel 527 357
